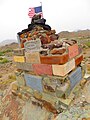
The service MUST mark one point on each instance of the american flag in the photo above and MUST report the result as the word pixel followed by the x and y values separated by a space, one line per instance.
pixel 35 10
pixel 31 12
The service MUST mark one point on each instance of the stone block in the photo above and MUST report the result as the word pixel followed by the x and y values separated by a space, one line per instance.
pixel 75 77
pixel 26 89
pixel 42 69
pixel 78 59
pixel 51 99
pixel 32 45
pixel 35 82
pixel 66 102
pixel 19 59
pixel 88 68
pixel 50 84
pixel 33 57
pixel 62 70
pixel 73 51
pixel 20 78
pixel 58 102
pixel 24 66
pixel 19 52
pixel 63 89
pixel 14 86
pixel 80 49
pixel 37 94
pixel 55 59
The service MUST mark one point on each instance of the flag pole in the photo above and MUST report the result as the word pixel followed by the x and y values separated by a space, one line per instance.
pixel 42 10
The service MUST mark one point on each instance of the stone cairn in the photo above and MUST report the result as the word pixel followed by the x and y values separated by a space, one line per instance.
pixel 47 68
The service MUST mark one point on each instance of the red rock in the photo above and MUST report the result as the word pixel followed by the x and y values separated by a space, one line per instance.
pixel 58 51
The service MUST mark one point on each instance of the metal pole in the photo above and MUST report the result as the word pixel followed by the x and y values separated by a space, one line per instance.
pixel 42 10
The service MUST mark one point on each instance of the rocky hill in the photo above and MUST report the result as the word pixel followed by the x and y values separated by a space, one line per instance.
pixel 75 34
pixel 10 46
pixel 8 41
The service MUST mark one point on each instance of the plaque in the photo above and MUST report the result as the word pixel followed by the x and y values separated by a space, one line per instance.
pixel 33 57
pixel 32 45
pixel 75 77
pixel 35 82
pixel 24 66
pixel 19 52
pixel 19 59
pixel 42 69
pixel 62 70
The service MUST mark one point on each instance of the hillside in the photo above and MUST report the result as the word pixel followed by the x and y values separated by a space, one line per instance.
pixel 80 33
pixel 8 41
pixel 10 46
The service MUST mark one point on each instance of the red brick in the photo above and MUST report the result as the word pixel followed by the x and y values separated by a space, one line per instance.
pixel 42 69
pixel 78 59
pixel 73 51
pixel 59 59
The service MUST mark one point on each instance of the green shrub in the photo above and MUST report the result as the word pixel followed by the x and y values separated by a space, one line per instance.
pixel 12 77
pixel 8 50
pixel 4 60
pixel 88 44
pixel 1 58
pixel 1 54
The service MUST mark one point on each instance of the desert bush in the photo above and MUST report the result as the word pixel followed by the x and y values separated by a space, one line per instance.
pixel 12 77
pixel 1 54
pixel 88 44
pixel 3 60
pixel 0 76
pixel 8 50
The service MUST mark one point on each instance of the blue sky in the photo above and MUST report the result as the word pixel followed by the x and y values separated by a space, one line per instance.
pixel 61 15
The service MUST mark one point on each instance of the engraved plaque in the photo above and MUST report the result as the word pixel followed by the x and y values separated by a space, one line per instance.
pixel 35 82
pixel 24 66
pixel 19 59
pixel 32 45
pixel 64 69
pixel 19 52
pixel 75 77
pixel 42 69
pixel 33 57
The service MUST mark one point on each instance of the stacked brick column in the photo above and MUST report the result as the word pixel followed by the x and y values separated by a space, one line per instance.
pixel 48 68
